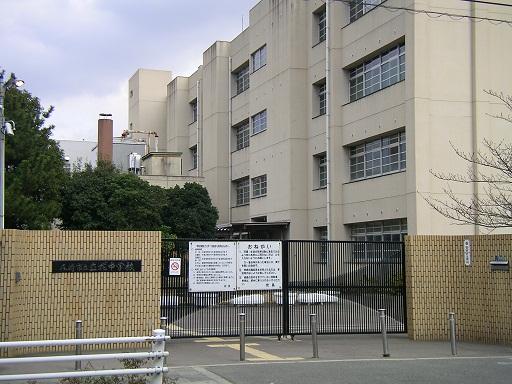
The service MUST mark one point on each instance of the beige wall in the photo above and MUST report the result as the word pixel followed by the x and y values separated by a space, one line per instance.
pixel 44 305
pixel 438 282
pixel 440 101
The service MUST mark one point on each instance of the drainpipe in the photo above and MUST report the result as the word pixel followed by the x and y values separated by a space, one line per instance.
pixel 230 123
pixel 198 141
pixel 327 119
pixel 474 131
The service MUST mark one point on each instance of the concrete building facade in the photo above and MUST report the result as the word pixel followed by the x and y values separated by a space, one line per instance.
pixel 324 119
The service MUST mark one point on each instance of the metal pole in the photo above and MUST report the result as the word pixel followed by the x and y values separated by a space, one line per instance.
pixel 314 336
pixel 158 346
pixel 78 348
pixel 242 336
pixel 2 150
pixel 453 341
pixel 385 347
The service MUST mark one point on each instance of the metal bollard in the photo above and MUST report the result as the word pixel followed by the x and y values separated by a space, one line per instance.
pixel 453 341
pixel 385 347
pixel 78 348
pixel 314 335
pixel 158 346
pixel 242 336
pixel 163 324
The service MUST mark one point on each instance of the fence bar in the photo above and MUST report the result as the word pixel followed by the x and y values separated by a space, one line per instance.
pixel 242 336
pixel 78 348
pixel 56 343
pixel 385 347
pixel 314 336
pixel 97 356
pixel 453 340
pixel 62 375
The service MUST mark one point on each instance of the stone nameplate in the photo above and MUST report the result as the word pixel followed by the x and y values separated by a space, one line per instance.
pixel 73 266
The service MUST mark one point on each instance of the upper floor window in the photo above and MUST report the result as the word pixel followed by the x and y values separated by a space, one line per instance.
pixel 359 7
pixel 380 72
pixel 193 107
pixel 242 191
pixel 259 186
pixel 242 135
pixel 378 157
pixel 259 58
pixel 321 170
pixel 193 155
pixel 322 25
pixel 375 233
pixel 259 122
pixel 242 79
pixel 319 98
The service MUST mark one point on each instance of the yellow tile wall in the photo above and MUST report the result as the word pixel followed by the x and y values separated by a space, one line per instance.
pixel 45 306
pixel 438 282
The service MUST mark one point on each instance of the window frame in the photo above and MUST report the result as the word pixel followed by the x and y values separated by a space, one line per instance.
pixel 242 79
pixel 242 135
pixel 366 78
pixel 259 58
pixel 370 155
pixel 321 21
pixel 359 8
pixel 259 122
pixel 259 186
pixel 193 106
pixel 242 191
pixel 193 155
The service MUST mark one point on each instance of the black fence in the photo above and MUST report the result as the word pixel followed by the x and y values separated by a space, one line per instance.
pixel 344 283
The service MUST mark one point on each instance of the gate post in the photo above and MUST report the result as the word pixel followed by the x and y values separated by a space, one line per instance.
pixel 286 299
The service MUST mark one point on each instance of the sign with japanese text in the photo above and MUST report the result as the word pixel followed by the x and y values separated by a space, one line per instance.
pixel 76 266
pixel 212 266
pixel 467 252
pixel 259 265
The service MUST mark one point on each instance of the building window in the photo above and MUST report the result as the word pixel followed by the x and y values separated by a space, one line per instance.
pixel 321 234
pixel 378 232
pixel 322 25
pixel 360 7
pixel 259 58
pixel 193 156
pixel 242 79
pixel 193 108
pixel 378 157
pixel 320 98
pixel 380 72
pixel 242 191
pixel 259 122
pixel 242 135
pixel 321 170
pixel 259 186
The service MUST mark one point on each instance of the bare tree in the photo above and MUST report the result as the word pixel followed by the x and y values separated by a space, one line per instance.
pixel 491 170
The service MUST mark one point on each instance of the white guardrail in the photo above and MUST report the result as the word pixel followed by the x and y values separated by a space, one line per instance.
pixel 157 356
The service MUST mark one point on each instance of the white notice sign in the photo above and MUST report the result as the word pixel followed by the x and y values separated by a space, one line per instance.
pixel 467 253
pixel 174 266
pixel 212 266
pixel 259 265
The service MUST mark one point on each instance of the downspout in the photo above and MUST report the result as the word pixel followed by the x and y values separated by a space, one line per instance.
pixel 230 123
pixel 474 131
pixel 327 119
pixel 198 141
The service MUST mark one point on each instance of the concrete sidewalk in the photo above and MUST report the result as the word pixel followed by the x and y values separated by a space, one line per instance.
pixel 343 358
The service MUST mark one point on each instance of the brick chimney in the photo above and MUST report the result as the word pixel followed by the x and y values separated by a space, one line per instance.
pixel 105 137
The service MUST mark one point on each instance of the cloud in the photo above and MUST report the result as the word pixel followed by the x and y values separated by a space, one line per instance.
pixel 76 117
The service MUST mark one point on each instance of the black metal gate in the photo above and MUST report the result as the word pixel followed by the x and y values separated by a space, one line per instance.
pixel 343 282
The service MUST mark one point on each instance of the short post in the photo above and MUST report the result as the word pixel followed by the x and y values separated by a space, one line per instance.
pixel 163 324
pixel 453 341
pixel 385 347
pixel 314 335
pixel 78 348
pixel 158 346
pixel 242 336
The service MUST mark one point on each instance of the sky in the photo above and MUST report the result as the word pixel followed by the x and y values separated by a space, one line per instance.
pixel 78 55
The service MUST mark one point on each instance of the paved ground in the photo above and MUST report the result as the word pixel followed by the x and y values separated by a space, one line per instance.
pixel 353 359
